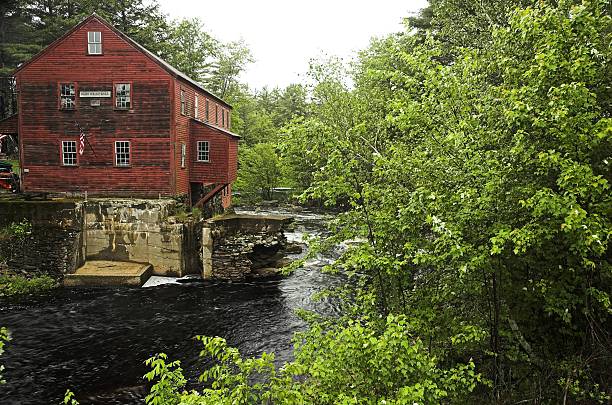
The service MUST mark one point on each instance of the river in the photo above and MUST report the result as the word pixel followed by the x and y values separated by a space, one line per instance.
pixel 95 341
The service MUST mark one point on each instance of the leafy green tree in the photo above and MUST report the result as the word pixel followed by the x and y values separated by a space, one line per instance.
pixel 191 49
pixel 233 58
pixel 259 171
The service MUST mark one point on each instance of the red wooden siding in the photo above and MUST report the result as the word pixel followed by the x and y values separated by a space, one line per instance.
pixel 222 148
pixel 153 124
pixel 146 124
pixel 184 134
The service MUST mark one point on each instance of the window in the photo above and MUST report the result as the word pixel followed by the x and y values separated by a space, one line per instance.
pixel 69 153
pixel 122 153
pixel 94 43
pixel 183 102
pixel 203 151
pixel 183 155
pixel 123 95
pixel 227 121
pixel 195 107
pixel 67 96
pixel 222 118
pixel 206 119
pixel 217 114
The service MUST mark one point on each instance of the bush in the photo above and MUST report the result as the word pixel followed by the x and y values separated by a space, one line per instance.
pixel 14 285
pixel 360 362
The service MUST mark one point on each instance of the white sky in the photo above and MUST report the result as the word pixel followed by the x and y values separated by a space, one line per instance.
pixel 284 35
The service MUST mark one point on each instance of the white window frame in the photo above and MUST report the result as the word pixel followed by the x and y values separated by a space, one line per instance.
pixel 195 107
pixel 183 102
pixel 123 101
pixel 94 42
pixel 203 151
pixel 183 155
pixel 120 151
pixel 69 153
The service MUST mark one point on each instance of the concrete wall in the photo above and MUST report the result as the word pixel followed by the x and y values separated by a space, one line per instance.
pixel 142 231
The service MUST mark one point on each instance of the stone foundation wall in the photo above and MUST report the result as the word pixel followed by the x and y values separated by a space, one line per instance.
pixel 55 245
pixel 245 246
pixel 142 231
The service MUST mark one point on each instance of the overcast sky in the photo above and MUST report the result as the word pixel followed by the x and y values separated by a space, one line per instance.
pixel 284 35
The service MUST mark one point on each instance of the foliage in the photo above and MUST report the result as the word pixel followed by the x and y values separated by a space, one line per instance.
pixel 17 230
pixel 16 285
pixel 12 237
pixel 191 49
pixel 482 189
pixel 259 171
pixel 69 398
pixel 4 337
pixel 169 378
pixel 332 366
pixel 233 58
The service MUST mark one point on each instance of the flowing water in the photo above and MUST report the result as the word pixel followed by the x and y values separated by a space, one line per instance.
pixel 95 341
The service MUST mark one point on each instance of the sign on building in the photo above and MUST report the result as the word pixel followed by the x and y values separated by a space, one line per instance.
pixel 95 93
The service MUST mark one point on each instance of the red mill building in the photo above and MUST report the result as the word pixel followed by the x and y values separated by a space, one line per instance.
pixel 149 130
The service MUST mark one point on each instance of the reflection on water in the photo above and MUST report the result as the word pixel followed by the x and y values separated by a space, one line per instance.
pixel 95 341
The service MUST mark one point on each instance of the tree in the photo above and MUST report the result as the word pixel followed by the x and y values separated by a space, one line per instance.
pixel 259 170
pixel 191 49
pixel 232 59
pixel 16 45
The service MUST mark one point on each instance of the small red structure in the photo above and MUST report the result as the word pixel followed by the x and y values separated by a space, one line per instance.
pixel 100 113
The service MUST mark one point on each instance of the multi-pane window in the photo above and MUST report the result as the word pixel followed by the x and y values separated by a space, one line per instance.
pixel 94 42
pixel 122 153
pixel 183 102
pixel 67 96
pixel 206 119
pixel 203 151
pixel 195 107
pixel 69 153
pixel 123 95
pixel 183 155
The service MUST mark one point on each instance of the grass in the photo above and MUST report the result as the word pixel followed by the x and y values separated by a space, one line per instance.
pixel 14 285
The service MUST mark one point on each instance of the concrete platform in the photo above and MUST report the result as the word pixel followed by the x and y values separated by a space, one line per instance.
pixel 100 273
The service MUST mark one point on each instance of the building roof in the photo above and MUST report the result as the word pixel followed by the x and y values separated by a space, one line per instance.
pixel 165 65
pixel 225 131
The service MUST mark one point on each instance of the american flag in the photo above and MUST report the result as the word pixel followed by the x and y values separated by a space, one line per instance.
pixel 81 143
pixel 81 139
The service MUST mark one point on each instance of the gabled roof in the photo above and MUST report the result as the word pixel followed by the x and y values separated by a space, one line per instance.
pixel 165 65
pixel 208 124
